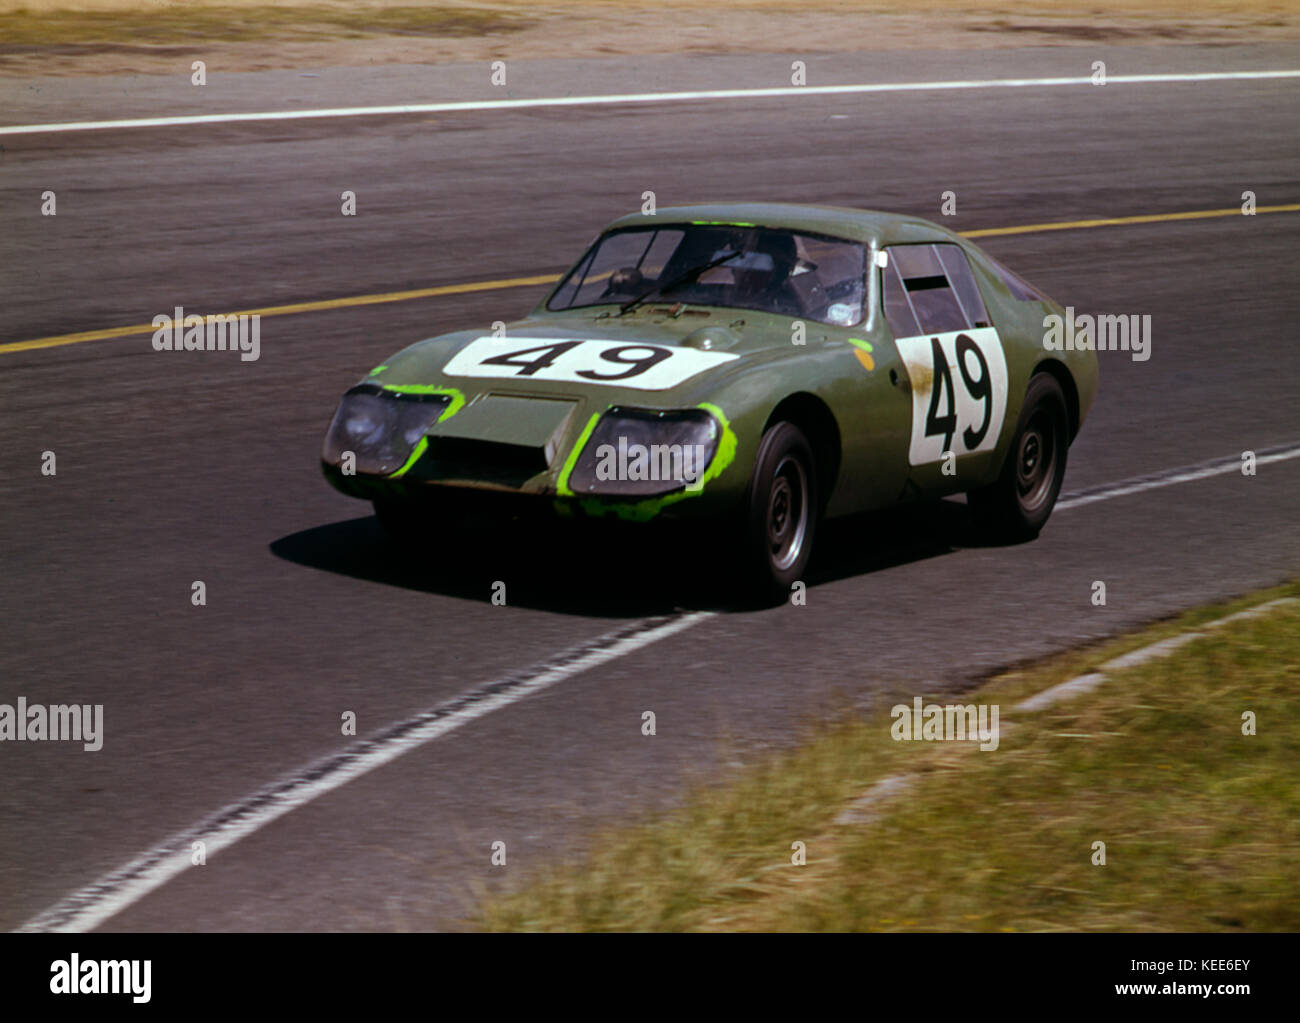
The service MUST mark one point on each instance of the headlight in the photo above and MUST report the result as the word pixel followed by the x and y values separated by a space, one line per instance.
pixel 380 428
pixel 642 453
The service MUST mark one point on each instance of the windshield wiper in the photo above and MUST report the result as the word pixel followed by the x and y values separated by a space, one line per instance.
pixel 677 281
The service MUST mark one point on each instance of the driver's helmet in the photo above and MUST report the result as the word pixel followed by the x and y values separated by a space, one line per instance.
pixel 766 266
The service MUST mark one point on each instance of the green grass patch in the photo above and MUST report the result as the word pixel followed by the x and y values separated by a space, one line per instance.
pixel 1201 823
pixel 203 24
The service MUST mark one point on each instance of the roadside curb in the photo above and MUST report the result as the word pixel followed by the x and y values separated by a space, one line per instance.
pixel 1153 651
pixel 866 807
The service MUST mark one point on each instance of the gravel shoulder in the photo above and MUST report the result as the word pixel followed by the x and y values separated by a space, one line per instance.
pixel 100 37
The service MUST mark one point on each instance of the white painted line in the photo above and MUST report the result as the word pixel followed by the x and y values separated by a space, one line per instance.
pixel 1186 474
pixel 92 905
pixel 85 909
pixel 644 97
pixel 1075 686
pixel 1250 612
pixel 1152 651
pixel 865 807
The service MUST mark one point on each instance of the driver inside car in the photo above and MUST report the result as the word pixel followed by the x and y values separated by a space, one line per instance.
pixel 761 275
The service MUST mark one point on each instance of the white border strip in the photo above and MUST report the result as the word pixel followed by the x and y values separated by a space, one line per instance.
pixel 104 898
pixel 865 808
pixel 640 97
pixel 87 908
pixel 1150 652
pixel 1185 474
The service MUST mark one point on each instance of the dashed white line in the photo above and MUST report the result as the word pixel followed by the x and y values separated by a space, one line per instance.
pixel 1167 478
pixel 867 807
pixel 91 905
pixel 644 97
pixel 114 892
pixel 1150 652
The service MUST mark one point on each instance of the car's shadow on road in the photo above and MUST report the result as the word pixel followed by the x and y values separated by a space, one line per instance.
pixel 596 570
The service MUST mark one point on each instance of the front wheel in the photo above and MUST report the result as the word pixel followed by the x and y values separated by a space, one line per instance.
pixel 781 515
pixel 1018 504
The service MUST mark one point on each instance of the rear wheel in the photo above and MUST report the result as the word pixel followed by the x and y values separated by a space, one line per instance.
pixel 1018 504
pixel 781 516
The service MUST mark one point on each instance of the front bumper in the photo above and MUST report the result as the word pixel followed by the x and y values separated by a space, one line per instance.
pixel 534 452
pixel 473 498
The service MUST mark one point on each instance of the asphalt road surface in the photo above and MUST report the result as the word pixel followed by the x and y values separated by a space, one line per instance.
pixel 176 467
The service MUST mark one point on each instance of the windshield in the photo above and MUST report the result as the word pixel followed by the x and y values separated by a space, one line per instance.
pixel 767 269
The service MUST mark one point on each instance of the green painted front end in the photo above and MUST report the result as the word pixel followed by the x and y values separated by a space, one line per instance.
pixel 850 381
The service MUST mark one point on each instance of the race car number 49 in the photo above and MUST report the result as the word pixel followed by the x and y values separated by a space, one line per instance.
pixel 959 392
pixel 641 366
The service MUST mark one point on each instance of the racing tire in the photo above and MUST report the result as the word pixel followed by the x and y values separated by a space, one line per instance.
pixel 781 515
pixel 1018 504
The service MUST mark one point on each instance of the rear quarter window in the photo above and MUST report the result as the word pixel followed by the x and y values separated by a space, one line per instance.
pixel 929 289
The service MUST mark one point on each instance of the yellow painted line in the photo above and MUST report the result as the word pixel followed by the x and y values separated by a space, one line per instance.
pixel 289 310
pixel 525 282
pixel 1154 218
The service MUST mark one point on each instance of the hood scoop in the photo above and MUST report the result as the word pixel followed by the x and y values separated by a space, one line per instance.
pixel 499 439
pixel 712 339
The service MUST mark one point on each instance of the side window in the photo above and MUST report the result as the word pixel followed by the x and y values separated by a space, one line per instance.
pixel 929 289
pixel 963 283
pixel 898 310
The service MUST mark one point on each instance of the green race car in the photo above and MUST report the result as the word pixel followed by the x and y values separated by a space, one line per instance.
pixel 756 366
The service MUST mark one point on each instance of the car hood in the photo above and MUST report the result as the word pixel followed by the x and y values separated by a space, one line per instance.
pixel 736 341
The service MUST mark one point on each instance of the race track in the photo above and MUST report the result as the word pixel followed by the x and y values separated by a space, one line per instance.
pixel 180 467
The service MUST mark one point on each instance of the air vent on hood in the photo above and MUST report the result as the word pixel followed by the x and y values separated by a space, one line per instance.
pixel 499 439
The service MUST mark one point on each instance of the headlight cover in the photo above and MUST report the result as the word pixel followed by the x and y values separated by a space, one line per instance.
pixel 381 428
pixel 644 453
